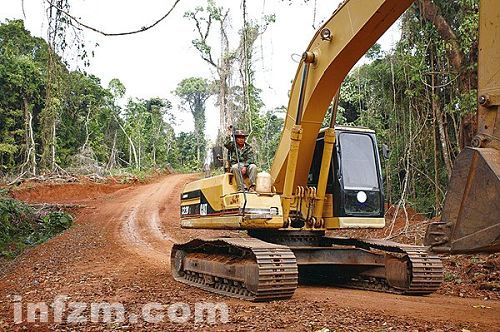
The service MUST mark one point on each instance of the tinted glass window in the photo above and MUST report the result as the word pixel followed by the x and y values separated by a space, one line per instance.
pixel 359 168
pixel 369 207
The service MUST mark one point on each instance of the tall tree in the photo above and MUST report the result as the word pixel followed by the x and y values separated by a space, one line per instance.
pixel 194 92
pixel 22 82
pixel 203 18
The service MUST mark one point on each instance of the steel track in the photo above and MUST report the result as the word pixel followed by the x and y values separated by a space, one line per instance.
pixel 257 270
pixel 276 277
pixel 424 270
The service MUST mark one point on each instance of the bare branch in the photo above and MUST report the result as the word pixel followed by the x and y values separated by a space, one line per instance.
pixel 198 27
pixel 109 34
pixel 22 7
pixel 209 23
pixel 201 46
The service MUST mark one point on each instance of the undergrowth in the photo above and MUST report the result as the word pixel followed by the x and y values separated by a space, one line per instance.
pixel 128 175
pixel 22 226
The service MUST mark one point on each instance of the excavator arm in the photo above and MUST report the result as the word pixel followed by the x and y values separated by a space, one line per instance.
pixel 336 47
pixel 471 215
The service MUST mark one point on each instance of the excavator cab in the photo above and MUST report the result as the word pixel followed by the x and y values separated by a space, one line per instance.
pixel 355 179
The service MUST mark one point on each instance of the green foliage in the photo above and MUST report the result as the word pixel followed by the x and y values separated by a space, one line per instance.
pixel 375 52
pixel 144 123
pixel 183 156
pixel 271 125
pixel 74 120
pixel 405 94
pixel 86 111
pixel 194 92
pixel 22 226
pixel 22 88
pixel 116 88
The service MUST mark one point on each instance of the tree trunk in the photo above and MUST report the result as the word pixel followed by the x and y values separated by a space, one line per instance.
pixel 130 154
pixel 30 159
pixel 431 13
pixel 53 146
pixel 112 157
pixel 438 118
pixel 138 165
pixel 442 135
pixel 131 143
pixel 154 155
pixel 87 135
pixel 436 168
pixel 48 134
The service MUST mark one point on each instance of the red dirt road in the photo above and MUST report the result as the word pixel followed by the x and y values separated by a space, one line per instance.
pixel 118 251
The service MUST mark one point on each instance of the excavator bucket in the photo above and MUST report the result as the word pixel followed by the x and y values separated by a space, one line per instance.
pixel 470 220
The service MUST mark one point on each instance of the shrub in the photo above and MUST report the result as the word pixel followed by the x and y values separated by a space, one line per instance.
pixel 21 225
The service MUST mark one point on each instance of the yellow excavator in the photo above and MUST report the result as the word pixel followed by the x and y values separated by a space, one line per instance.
pixel 326 179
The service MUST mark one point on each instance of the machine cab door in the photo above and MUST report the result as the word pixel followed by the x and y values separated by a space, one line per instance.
pixel 355 179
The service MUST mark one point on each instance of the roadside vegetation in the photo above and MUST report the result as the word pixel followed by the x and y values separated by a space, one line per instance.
pixel 59 121
pixel 22 225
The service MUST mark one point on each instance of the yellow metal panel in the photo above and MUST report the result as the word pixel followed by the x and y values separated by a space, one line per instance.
pixel 231 222
pixel 254 201
pixel 274 223
pixel 355 27
pixel 328 208
pixel 213 189
pixel 227 222
pixel 354 222
pixel 190 201
pixel 232 201
pixel 352 129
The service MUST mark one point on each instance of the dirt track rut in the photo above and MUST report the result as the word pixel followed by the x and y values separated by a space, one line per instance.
pixel 118 251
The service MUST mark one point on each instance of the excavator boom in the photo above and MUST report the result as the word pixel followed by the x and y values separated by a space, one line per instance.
pixel 353 28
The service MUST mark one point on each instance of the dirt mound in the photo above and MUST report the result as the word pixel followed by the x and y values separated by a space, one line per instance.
pixel 472 276
pixel 65 192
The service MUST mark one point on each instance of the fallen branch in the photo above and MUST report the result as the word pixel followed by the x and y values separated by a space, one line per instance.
pixel 17 179
pixel 59 206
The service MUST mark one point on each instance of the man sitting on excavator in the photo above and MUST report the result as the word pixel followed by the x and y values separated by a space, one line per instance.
pixel 242 152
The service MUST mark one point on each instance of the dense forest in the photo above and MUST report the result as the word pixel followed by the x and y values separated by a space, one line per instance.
pixel 419 97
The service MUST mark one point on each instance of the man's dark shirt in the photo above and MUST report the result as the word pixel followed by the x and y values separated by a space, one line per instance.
pixel 245 154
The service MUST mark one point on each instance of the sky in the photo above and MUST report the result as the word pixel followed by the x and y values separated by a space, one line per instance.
pixel 152 63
